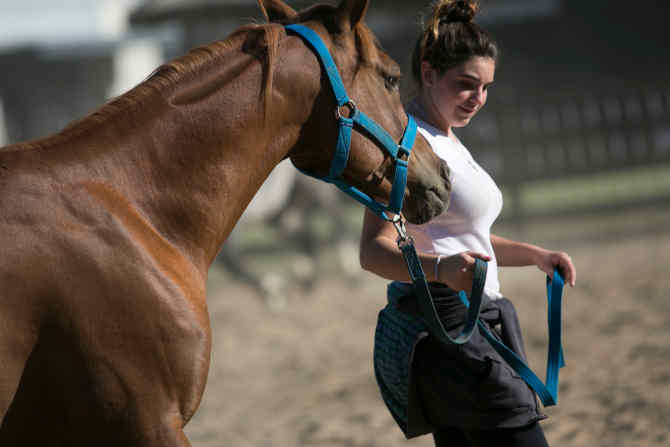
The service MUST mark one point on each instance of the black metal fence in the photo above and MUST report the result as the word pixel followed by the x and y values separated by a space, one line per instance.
pixel 524 138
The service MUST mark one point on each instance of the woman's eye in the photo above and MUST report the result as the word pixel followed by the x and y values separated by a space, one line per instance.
pixel 466 85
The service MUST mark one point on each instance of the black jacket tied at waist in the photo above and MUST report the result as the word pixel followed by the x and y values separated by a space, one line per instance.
pixel 399 331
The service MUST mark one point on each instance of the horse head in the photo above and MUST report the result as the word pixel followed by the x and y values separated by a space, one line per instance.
pixel 371 79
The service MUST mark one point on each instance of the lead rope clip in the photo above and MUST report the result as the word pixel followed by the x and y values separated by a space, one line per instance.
pixel 399 224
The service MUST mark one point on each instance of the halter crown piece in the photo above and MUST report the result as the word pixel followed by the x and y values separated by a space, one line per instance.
pixel 399 152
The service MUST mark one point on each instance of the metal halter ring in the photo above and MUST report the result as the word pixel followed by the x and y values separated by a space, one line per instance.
pixel 352 107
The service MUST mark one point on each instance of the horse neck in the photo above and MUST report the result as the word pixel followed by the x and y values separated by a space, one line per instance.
pixel 201 187
pixel 202 148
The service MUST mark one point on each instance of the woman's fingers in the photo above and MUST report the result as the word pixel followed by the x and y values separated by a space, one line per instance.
pixel 564 262
pixel 474 254
pixel 469 260
pixel 569 270
pixel 457 270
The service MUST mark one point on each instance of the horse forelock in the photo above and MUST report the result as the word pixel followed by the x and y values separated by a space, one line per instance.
pixel 366 43
pixel 368 46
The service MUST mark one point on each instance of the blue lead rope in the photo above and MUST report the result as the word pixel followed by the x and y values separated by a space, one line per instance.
pixel 427 305
pixel 547 392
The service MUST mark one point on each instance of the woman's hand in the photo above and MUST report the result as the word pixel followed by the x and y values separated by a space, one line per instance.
pixel 456 271
pixel 512 253
pixel 547 261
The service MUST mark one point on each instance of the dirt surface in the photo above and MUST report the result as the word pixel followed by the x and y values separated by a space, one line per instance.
pixel 302 376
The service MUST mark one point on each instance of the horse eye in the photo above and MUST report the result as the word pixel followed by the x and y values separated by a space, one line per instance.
pixel 392 82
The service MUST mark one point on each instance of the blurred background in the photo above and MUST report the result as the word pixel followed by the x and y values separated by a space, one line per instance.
pixel 576 132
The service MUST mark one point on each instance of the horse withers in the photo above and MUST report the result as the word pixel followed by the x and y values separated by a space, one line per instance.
pixel 109 227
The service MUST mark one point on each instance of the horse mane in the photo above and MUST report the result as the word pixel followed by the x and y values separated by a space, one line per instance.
pixel 265 49
pixel 166 77
pixel 163 81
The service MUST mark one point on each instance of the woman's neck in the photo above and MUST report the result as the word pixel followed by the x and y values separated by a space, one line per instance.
pixel 426 111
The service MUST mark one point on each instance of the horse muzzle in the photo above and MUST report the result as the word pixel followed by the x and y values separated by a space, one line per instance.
pixel 429 196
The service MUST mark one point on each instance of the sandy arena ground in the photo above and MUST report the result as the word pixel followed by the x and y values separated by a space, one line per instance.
pixel 303 376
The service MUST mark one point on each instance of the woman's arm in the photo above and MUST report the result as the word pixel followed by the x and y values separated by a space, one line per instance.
pixel 379 254
pixel 511 253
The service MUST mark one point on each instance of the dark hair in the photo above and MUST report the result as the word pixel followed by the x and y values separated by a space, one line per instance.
pixel 450 38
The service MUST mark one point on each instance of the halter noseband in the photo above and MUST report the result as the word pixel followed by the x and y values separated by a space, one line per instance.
pixel 399 152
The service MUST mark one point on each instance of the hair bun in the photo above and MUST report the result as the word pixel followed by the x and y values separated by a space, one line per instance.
pixel 450 11
pixel 450 37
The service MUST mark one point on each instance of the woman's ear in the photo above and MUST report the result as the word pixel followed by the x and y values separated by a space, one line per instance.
pixel 428 74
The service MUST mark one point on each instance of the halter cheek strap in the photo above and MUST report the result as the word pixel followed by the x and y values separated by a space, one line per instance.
pixel 358 120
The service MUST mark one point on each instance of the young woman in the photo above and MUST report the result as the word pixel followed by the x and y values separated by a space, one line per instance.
pixel 465 396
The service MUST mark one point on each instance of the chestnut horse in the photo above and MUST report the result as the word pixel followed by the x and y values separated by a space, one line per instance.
pixel 109 227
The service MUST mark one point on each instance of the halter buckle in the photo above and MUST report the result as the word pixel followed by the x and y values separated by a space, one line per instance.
pixel 403 152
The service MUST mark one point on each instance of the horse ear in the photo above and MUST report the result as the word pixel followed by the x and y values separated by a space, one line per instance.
pixel 276 10
pixel 351 12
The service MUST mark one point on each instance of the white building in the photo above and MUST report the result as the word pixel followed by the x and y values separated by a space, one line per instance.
pixel 66 58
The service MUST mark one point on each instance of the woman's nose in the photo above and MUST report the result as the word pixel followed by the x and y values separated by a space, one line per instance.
pixel 478 97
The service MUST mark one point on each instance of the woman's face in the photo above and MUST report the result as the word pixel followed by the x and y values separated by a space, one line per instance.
pixel 457 95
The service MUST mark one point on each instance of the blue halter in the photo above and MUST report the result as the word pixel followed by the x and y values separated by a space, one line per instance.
pixel 399 152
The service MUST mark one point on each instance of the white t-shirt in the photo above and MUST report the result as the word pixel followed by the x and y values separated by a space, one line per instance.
pixel 476 202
